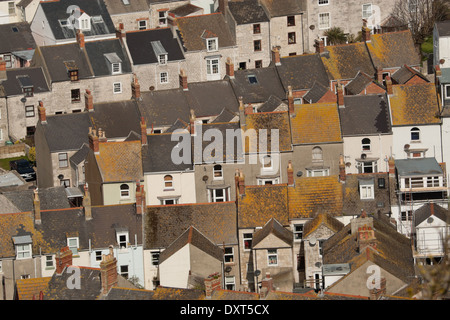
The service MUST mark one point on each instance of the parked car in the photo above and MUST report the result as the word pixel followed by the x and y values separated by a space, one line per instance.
pixel 24 168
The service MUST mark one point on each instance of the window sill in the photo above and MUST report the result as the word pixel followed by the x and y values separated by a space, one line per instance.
pixel 49 268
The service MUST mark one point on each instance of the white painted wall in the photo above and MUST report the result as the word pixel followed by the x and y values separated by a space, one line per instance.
pixel 183 187
pixel 430 236
pixel 441 49
pixel 174 271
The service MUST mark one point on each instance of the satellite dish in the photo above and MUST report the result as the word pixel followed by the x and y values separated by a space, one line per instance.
pixel 299 174
pixel 407 146
pixel 318 264
pixel 312 241
pixel 205 178
pixel 312 27
pixel 363 156
pixel 151 88
pixel 227 269
pixel 23 100
pixel 430 220
pixel 257 273
pixel 442 61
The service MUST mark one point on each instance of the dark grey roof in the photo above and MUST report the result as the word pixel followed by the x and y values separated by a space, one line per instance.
pixel 405 73
pixel 316 93
pixel 365 115
pixel 50 198
pixel 185 10
pixel 257 85
pixel 119 7
pixel 128 294
pixel 359 83
pixel 429 210
pixel 57 57
pixel 140 48
pixel 16 37
pixel 271 104
pixel 80 155
pixel 443 28
pixel 116 119
pixel 66 131
pixel 30 76
pixel 248 11
pixel 285 7
pixel 157 156
pixel 57 10
pixel 418 167
pixel 225 116
pixel 301 72
pixel 96 51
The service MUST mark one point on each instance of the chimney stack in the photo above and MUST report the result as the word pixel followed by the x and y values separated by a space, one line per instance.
pixel 377 293
pixel 291 101
pixel 120 33
pixel 342 174
pixel 183 80
pixel 63 259
pixel 230 68
pixel 379 75
pixel 365 32
pixel 248 109
pixel 135 88
pixel 320 46
pixel 389 89
pixel 437 71
pixel 37 207
pixel 108 271
pixel 266 285
pixel 366 238
pixel 340 95
pixel 143 132
pixel 276 56
pixel 212 282
pixel 192 122
pixel 391 162
pixel 223 5
pixel 88 101
pixel 290 174
pixel 140 198
pixel 42 113
pixel 87 203
pixel 93 140
pixel 241 183
pixel 80 38
pixel 2 65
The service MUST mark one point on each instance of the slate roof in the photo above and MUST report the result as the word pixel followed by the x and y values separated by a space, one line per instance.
pixel 275 228
pixel 320 219
pixel 302 72
pixel 418 167
pixel 313 195
pixel 16 224
pixel 66 131
pixel 34 76
pixel 271 104
pixel 393 50
pixel 50 198
pixel 284 8
pixel 316 123
pixel 429 210
pixel 345 61
pixel 264 83
pixel 120 161
pixel 315 93
pixel 249 11
pixel 225 116
pixel 55 58
pixel 80 155
pixel 16 37
pixel 361 81
pixel 57 10
pixel 261 203
pixel 443 28
pixel 365 115
pixel 195 238
pixel 270 121
pixel 117 293
pixel 141 50
pixel 157 156
pixel 185 10
pixel 406 73
pixel 96 51
pixel 115 7
pixel 29 289
pixel 164 224
pixel 414 104
pixel 191 30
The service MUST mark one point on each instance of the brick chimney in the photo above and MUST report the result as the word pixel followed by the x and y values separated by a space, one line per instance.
pixel 391 162
pixel 229 66
pixel 120 32
pixel 135 88
pixel 379 75
pixel 223 5
pixel 365 32
pixel 340 95
pixel 143 132
pixel 80 38
pixel 63 259
pixel 236 182
pixel 108 271
pixel 377 293
pixel 37 207
pixel 88 101
pixel 342 174
pixel 140 198
pixel 183 80
pixel 266 286
pixel 319 45
pixel 276 56
pixel 192 122
pixel 291 101
pixel 42 113
pixel 2 65
pixel 241 183
pixel 389 85
pixel 93 140
pixel 87 203
pixel 366 238
pixel 212 282
pixel 437 70
pixel 248 109
pixel 290 174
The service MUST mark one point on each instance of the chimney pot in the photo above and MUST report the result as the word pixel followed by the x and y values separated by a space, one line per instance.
pixel 320 46
pixel 342 174
pixel 143 132
pixel 42 113
pixel 2 65
pixel 276 56
pixel 80 38
pixel 88 100
pixel 241 183
pixel 135 88
pixel 230 68
pixel 290 173
pixel 291 101
pixel 183 80
pixel 63 259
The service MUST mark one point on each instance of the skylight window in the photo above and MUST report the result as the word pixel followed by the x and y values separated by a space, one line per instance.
pixel 252 79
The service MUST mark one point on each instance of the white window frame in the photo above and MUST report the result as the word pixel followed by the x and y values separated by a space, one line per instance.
pixel 121 240
pixel 212 44
pixel 72 247
pixel 213 67
pixel 228 255
pixel 164 202
pixel 49 263
pixel 218 172
pixel 365 164
pixel 317 154
pixel 318 172
pixel 321 25
pixel 140 26
pixel 124 192
pixel 366 146
pixel 11 8
pixel 23 251
pixel 272 257
pixel 214 197
pixel 247 236
pixel 124 273
pixel 267 162
pixel 117 87
pixel 323 2
pixel 163 77
pixel 415 130
pixel 63 160
pixel 298 231
pixel 447 93
pixel 168 183
pixel 162 59
pixel 116 68
pixel 263 181
pixel 29 113
pixel 230 282
pixel 162 19
pixel 367 192
pixel 155 257
pixel 366 10
pixel 98 255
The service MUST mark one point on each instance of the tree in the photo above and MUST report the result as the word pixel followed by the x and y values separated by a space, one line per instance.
pixel 420 16
pixel 335 36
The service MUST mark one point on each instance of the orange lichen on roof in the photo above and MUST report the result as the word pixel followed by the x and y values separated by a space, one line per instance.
pixel 120 161
pixel 316 123
pixel 313 195
pixel 29 289
pixel 261 203
pixel 322 219
pixel 270 121
pixel 414 104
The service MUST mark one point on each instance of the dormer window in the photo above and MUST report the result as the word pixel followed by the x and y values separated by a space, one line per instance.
pixel 28 91
pixel 160 53
pixel 122 238
pixel 114 62
pixel 367 189
pixel 23 246
pixel 162 18
pixel 73 74
pixel 84 22
pixel 162 59
pixel 72 70
pixel 212 44
pixel 27 85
